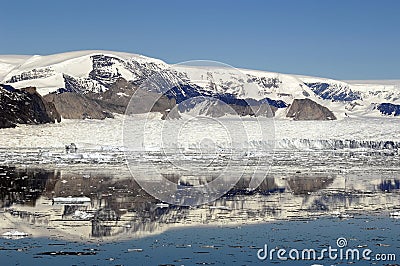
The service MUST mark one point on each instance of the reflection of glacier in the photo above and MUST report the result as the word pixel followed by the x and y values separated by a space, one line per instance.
pixel 244 151
pixel 120 209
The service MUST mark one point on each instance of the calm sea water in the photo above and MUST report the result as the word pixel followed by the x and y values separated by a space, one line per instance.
pixel 222 245
pixel 307 201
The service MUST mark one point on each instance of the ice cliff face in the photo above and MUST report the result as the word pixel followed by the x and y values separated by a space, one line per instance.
pixel 337 144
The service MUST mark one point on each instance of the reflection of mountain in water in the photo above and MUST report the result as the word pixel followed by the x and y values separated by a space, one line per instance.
pixel 23 186
pixel 306 184
pixel 120 208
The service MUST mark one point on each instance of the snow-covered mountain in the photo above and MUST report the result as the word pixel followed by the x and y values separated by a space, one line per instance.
pixel 96 71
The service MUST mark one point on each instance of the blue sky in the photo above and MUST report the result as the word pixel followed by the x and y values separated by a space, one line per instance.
pixel 342 39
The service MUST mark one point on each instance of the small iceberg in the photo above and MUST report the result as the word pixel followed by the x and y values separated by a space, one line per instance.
pixel 135 250
pixel 162 205
pixel 344 215
pixel 14 235
pixel 81 215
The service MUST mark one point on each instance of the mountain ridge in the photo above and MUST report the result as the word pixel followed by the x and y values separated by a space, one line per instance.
pixel 95 71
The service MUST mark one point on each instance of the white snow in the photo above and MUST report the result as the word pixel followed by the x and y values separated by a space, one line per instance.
pixel 9 62
pixel 375 82
pixel 77 64
pixel 371 91
pixel 122 94
pixel 44 85
pixel 237 81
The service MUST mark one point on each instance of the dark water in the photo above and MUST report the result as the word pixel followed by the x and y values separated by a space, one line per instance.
pixel 223 245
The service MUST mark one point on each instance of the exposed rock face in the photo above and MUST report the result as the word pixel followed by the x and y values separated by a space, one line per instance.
pixel 117 97
pixel 42 109
pixel 389 109
pixel 335 92
pixel 25 106
pixel 147 101
pixel 213 107
pixel 306 109
pixel 258 110
pixel 75 105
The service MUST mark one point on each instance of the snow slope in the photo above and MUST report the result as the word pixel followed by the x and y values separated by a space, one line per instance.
pixel 10 62
pixel 46 72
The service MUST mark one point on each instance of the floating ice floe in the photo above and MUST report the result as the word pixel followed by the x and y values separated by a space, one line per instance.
pixel 71 200
pixel 135 250
pixel 81 215
pixel 14 234
pixel 162 205
pixel 345 215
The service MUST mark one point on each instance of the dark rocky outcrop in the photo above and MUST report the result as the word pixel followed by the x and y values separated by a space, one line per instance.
pixel 144 101
pixel 213 107
pixel 73 105
pixel 389 109
pixel 258 110
pixel 25 106
pixel 334 92
pixel 76 105
pixel 306 109
pixel 187 97
pixel 116 98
